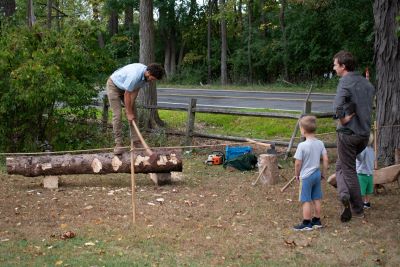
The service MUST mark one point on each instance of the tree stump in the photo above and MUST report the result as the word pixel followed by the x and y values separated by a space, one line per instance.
pixel 270 175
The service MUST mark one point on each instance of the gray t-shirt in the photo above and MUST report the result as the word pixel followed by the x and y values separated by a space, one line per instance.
pixel 365 161
pixel 355 88
pixel 310 153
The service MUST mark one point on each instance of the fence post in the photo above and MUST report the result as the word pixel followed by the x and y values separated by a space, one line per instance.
pixel 104 120
pixel 190 121
pixel 307 110
pixel 296 128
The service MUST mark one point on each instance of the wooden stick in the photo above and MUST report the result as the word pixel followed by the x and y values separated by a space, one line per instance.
pixel 133 183
pixel 148 150
pixel 261 173
pixel 287 184
pixel 258 143
pixel 375 146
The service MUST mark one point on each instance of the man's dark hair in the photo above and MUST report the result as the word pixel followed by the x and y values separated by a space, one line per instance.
pixel 156 70
pixel 347 59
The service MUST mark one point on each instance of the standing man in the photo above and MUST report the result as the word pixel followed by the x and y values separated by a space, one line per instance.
pixel 353 107
pixel 123 86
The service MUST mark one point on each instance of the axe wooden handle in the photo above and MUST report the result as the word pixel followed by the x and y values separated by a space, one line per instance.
pixel 258 143
pixel 146 147
pixel 287 184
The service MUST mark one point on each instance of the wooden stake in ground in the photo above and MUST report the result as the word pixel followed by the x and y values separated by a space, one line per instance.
pixel 133 195
pixel 375 146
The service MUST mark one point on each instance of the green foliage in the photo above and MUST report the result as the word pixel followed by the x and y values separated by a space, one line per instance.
pixel 41 72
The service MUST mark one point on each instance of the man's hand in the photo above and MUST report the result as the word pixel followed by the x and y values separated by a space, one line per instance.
pixel 130 117
pixel 346 119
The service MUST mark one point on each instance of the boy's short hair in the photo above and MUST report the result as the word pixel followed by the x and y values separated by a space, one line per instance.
pixel 309 123
pixel 156 70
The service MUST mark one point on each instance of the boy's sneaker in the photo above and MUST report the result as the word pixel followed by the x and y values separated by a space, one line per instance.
pixel 367 205
pixel 303 226
pixel 346 213
pixel 316 222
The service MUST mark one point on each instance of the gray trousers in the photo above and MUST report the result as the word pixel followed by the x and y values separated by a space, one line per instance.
pixel 115 98
pixel 348 147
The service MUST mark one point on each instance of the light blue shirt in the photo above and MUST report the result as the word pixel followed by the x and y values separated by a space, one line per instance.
pixel 365 161
pixel 310 153
pixel 129 77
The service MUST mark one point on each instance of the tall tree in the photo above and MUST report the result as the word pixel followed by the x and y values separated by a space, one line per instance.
pixel 209 21
pixel 387 57
pixel 224 45
pixel 168 28
pixel 31 14
pixel 284 39
pixel 146 56
pixel 49 13
pixel 249 40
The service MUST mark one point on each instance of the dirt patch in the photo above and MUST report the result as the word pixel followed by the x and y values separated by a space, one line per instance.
pixel 210 217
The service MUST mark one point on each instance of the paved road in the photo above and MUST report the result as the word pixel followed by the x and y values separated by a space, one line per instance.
pixel 172 97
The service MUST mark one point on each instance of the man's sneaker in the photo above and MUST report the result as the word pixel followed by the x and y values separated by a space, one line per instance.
pixel 303 227
pixel 316 222
pixel 346 213
pixel 367 205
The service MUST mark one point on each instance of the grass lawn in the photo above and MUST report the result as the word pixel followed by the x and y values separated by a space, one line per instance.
pixel 250 127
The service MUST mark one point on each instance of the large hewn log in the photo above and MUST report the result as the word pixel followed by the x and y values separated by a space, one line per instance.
pixel 382 176
pixel 101 163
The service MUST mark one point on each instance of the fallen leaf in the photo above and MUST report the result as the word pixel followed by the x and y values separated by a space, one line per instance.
pixel 68 234
pixel 160 200
pixel 59 262
pixel 89 244
pixel 290 243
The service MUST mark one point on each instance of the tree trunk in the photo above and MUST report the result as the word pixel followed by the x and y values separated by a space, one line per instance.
pixel 249 61
pixel 210 3
pixel 7 7
pixel 149 119
pixel 224 45
pixel 170 55
pixel 96 19
pixel 284 39
pixel 128 22
pixel 101 163
pixel 49 12
pixel 31 14
pixel 113 23
pixel 387 58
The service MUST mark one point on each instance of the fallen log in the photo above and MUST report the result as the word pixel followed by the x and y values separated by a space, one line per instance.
pixel 381 176
pixel 100 163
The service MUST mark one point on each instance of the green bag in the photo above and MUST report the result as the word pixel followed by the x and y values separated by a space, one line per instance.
pixel 244 162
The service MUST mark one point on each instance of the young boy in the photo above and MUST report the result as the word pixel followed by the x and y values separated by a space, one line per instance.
pixel 307 170
pixel 365 171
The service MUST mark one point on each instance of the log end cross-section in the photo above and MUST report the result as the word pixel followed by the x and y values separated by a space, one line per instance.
pixel 100 163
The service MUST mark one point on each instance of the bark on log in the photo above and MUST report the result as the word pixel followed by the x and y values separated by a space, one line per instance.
pixel 382 176
pixel 101 163
pixel 270 176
